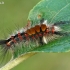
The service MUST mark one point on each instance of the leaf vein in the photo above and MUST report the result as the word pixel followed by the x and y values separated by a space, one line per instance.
pixel 59 12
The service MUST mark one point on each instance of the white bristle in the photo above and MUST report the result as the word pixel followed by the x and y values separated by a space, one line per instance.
pixel 57 28
pixel 21 30
pixel 44 40
pixel 45 22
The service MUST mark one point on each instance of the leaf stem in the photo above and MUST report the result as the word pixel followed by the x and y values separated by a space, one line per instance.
pixel 16 61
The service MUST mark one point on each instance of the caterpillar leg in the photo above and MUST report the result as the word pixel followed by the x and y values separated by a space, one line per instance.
pixel 41 41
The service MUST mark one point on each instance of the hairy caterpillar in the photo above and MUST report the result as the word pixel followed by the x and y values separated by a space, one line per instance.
pixel 32 37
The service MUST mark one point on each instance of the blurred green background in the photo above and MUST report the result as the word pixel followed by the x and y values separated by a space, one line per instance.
pixel 13 15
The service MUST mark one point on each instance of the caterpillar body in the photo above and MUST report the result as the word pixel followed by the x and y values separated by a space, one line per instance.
pixel 32 37
pixel 33 33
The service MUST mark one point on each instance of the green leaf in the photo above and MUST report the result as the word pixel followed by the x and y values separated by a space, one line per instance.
pixel 53 11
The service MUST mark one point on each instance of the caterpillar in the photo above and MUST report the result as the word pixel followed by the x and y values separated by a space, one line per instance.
pixel 32 37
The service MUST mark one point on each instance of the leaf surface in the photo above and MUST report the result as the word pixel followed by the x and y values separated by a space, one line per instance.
pixel 53 11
